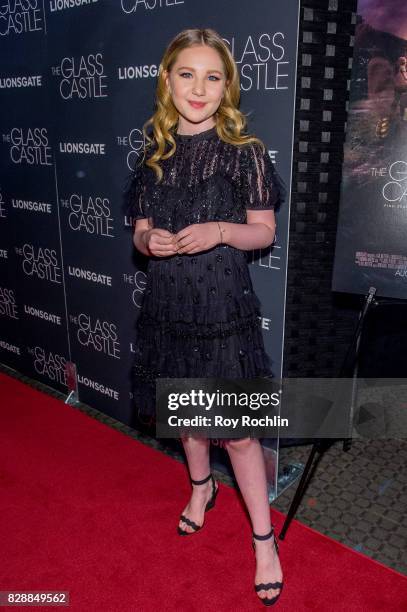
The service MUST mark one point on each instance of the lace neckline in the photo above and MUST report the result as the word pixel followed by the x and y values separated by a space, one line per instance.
pixel 210 133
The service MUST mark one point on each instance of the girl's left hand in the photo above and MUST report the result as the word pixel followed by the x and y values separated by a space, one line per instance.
pixel 198 237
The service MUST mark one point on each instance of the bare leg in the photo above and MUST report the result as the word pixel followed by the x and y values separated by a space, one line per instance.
pixel 197 453
pixel 246 456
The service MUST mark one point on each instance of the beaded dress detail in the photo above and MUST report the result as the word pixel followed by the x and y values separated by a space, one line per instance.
pixel 200 317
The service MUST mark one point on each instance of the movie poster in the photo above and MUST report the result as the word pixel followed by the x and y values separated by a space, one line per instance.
pixel 371 245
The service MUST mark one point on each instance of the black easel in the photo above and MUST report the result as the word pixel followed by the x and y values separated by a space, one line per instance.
pixel 321 445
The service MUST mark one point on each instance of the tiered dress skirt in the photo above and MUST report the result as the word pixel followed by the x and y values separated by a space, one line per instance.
pixel 200 318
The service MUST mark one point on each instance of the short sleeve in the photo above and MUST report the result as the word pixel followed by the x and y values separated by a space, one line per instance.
pixel 259 184
pixel 135 192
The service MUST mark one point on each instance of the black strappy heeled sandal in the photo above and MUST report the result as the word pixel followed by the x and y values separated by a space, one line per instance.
pixel 210 504
pixel 269 585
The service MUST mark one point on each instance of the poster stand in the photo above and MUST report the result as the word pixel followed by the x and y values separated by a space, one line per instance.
pixel 321 445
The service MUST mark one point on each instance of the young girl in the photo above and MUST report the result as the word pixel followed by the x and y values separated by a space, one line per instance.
pixel 202 197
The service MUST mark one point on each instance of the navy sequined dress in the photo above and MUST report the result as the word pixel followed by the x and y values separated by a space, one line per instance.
pixel 200 316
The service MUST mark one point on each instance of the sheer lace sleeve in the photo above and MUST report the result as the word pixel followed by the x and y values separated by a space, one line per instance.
pixel 259 184
pixel 135 192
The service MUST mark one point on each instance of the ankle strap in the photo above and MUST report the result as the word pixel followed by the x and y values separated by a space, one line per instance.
pixel 263 537
pixel 200 482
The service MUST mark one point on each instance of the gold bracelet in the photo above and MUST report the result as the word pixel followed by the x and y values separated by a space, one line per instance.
pixel 221 232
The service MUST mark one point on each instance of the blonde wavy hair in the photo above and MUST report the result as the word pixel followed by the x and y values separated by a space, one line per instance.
pixel 230 122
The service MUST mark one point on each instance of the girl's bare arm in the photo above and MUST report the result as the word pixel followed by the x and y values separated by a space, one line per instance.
pixel 141 227
pixel 257 233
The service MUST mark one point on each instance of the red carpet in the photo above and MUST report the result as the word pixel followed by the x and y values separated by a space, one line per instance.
pixel 88 510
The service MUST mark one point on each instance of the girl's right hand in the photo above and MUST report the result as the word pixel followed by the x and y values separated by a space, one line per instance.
pixel 159 242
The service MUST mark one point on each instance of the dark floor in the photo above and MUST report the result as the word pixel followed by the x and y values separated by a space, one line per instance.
pixel 358 497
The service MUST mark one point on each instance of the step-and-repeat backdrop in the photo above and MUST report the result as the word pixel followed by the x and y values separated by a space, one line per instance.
pixel 77 82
